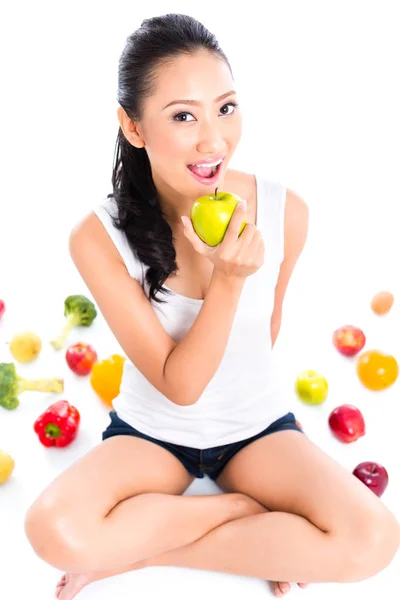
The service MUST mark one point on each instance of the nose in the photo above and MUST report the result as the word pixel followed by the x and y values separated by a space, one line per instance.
pixel 210 139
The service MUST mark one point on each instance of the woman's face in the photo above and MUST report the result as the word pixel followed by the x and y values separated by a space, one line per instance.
pixel 181 134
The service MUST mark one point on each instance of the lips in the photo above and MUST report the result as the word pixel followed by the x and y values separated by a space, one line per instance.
pixel 203 171
pixel 208 168
pixel 206 175
pixel 208 162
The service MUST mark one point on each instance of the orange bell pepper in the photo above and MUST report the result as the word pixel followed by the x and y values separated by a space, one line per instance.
pixel 106 377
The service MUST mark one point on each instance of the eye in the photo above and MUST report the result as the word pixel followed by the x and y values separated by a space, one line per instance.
pixel 181 114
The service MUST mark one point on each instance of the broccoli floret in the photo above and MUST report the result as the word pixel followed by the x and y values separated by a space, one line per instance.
pixel 11 385
pixel 79 311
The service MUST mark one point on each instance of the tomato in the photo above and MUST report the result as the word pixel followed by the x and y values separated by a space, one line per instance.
pixel 80 358
pixel 106 377
pixel 377 370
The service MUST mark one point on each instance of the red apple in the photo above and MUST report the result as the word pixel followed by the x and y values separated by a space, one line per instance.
pixel 2 308
pixel 373 475
pixel 348 340
pixel 80 358
pixel 347 423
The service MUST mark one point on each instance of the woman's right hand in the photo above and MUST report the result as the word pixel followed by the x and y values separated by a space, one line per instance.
pixel 236 256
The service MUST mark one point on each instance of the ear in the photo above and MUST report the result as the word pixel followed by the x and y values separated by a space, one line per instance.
pixel 130 129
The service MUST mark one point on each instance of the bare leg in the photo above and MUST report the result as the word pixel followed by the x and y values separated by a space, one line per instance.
pixel 356 537
pixel 277 546
pixel 71 583
pixel 274 546
pixel 171 517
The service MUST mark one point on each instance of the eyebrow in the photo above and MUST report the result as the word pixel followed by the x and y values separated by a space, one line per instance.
pixel 196 102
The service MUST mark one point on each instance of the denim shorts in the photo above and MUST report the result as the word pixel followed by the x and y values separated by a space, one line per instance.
pixel 198 463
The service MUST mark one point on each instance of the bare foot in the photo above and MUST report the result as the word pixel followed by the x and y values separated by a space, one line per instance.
pixel 72 583
pixel 248 506
pixel 282 587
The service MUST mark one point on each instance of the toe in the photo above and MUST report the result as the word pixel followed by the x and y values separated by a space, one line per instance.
pixel 280 588
pixel 302 585
pixel 276 589
pixel 60 585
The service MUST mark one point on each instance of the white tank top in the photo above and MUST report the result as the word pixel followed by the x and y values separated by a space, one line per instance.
pixel 244 396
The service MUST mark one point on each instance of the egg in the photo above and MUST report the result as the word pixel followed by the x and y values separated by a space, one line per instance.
pixel 382 302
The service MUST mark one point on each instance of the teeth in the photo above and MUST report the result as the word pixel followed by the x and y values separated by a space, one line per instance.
pixel 215 164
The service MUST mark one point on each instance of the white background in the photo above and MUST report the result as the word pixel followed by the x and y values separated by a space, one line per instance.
pixel 318 87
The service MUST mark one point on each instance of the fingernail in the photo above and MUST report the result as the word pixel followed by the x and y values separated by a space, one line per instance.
pixel 183 219
pixel 244 202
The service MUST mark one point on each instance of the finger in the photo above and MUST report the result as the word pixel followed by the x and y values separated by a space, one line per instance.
pixel 192 236
pixel 235 223
pixel 249 239
pixel 256 250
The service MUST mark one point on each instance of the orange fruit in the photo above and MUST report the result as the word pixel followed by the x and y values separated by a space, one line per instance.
pixel 377 370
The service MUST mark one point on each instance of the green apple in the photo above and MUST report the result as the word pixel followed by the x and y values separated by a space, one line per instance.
pixel 311 387
pixel 211 214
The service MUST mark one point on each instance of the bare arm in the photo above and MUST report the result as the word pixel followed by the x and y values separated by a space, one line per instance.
pixel 296 230
pixel 194 361
pixel 179 371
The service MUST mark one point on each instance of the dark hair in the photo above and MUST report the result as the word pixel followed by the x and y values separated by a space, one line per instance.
pixel 139 215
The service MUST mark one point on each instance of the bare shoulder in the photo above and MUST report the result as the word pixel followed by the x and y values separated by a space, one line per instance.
pixel 89 224
pixel 296 209
pixel 296 205
pixel 89 237
pixel 295 235
pixel 296 223
pixel 123 303
pixel 84 229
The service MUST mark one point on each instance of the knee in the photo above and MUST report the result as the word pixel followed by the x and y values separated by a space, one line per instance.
pixel 53 536
pixel 372 546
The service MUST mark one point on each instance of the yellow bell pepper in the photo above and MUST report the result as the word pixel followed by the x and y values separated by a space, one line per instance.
pixel 106 377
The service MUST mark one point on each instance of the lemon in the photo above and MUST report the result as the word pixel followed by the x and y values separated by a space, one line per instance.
pixel 26 346
pixel 6 466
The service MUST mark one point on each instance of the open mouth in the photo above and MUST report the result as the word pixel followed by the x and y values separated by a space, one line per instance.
pixel 204 173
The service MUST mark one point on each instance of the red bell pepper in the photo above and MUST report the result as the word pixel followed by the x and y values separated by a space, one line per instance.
pixel 58 425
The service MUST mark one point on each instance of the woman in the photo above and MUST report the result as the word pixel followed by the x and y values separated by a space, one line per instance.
pixel 199 393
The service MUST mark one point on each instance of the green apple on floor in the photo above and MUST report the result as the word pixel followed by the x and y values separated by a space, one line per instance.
pixel 210 215
pixel 311 387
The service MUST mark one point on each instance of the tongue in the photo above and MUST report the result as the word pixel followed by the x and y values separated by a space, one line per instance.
pixel 202 171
